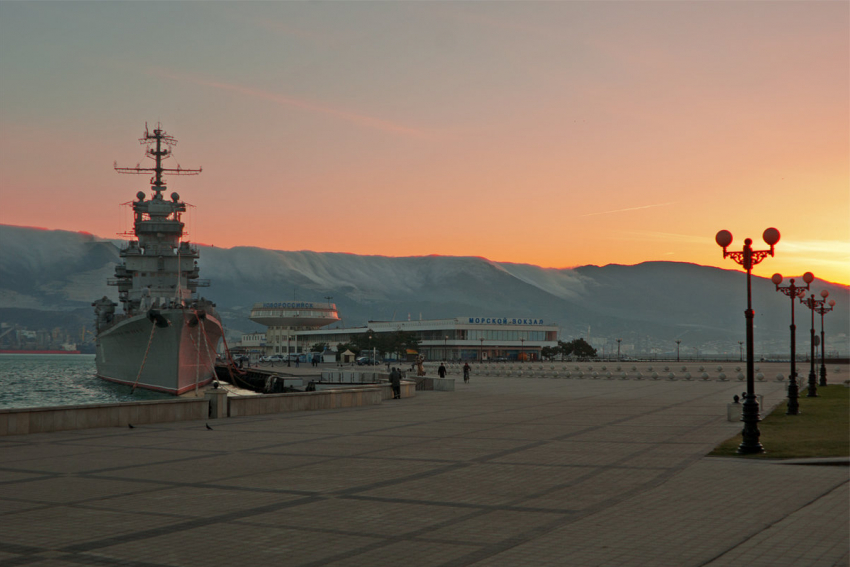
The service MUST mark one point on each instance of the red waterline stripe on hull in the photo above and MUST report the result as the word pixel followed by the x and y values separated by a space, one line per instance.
pixel 172 391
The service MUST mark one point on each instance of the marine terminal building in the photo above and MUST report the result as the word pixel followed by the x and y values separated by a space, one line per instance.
pixel 286 320
pixel 297 326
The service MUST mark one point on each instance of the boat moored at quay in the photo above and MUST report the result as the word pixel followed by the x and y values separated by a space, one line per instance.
pixel 166 337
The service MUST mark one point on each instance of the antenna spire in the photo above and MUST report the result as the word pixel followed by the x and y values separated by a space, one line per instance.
pixel 159 146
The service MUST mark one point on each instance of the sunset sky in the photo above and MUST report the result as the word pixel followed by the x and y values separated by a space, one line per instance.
pixel 552 133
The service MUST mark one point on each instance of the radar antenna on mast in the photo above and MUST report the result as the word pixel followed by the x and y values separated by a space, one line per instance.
pixel 159 146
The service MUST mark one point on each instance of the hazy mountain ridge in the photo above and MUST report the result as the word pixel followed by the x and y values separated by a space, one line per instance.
pixel 653 301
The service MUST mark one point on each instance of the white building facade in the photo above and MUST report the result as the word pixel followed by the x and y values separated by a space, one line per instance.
pixel 286 320
pixel 460 338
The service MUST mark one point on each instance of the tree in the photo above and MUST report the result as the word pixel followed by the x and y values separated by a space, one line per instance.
pixel 401 341
pixel 319 347
pixel 582 349
pixel 370 342
pixel 578 348
pixel 565 349
pixel 549 352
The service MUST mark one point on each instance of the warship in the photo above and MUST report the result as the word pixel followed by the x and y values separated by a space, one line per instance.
pixel 166 338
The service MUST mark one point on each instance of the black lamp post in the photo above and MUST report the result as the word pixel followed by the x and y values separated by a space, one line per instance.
pixel 749 258
pixel 813 304
pixel 481 350
pixel 741 347
pixel 793 292
pixel 678 342
pixel 522 350
pixel 618 349
pixel 446 348
pixel 823 310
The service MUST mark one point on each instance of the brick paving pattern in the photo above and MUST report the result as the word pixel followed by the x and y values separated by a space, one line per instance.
pixel 505 471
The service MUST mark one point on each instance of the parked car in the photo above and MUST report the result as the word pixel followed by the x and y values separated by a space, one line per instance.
pixel 272 358
pixel 366 361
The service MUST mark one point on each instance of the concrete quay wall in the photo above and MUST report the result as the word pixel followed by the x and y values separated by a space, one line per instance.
pixel 215 405
pixel 240 406
pixel 62 418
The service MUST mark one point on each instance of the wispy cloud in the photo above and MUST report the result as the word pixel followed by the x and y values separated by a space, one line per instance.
pixel 626 210
pixel 837 247
pixel 653 236
pixel 359 119
pixel 823 253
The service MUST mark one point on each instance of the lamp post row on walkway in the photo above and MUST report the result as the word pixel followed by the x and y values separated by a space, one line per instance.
pixel 817 306
pixel 749 258
pixel 793 291
pixel 823 310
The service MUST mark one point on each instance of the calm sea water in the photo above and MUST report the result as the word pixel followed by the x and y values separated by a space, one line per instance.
pixel 40 380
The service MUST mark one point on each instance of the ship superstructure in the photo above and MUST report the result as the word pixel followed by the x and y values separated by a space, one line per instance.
pixel 166 337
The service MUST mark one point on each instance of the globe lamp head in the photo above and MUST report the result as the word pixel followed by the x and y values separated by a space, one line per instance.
pixel 771 236
pixel 723 238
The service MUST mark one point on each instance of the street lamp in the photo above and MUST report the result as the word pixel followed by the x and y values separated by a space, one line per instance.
pixel 522 350
pixel 288 337
pixel 741 347
pixel 749 258
pixel 793 292
pixel 481 350
pixel 823 310
pixel 813 304
pixel 446 348
pixel 618 349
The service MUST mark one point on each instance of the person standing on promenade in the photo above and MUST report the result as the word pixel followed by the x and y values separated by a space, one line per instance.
pixel 395 380
pixel 466 370
pixel 441 372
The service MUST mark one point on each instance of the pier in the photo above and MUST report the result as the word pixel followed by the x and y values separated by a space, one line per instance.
pixel 503 471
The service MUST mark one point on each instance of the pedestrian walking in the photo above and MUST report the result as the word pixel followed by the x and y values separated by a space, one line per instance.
pixel 441 371
pixel 466 370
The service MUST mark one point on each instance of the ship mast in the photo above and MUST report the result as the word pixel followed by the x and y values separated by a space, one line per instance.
pixel 159 146
pixel 157 267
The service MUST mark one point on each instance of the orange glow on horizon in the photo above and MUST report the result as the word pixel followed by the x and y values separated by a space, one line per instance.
pixel 552 134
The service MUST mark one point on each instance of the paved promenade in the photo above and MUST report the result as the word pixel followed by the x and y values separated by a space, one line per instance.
pixel 502 472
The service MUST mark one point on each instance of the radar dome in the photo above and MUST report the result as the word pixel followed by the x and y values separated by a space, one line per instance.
pixel 175 197
pixel 140 195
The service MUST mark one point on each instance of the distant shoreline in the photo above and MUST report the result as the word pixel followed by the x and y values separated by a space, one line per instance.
pixel 40 352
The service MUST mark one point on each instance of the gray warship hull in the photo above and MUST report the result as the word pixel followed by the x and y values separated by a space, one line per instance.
pixel 174 357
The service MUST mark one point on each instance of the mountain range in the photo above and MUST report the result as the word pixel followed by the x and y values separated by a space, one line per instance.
pixel 50 278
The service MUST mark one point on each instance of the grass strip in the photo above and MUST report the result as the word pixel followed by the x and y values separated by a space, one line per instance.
pixel 822 429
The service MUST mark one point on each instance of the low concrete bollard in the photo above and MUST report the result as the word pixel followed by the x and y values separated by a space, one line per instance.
pixel 218 403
